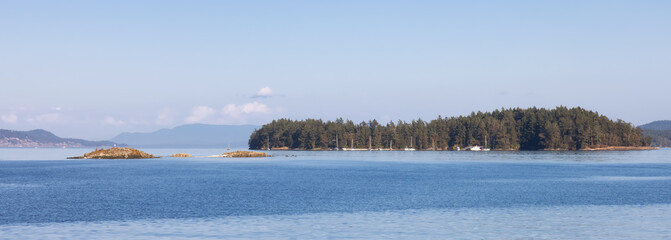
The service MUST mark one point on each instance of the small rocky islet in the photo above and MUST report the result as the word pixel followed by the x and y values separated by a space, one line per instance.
pixel 115 153
pixel 130 153
pixel 181 155
pixel 235 154
pixel 244 154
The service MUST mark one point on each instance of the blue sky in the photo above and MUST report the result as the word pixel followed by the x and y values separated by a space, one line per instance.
pixel 93 69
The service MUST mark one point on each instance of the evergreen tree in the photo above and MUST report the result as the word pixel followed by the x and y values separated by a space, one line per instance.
pixel 505 129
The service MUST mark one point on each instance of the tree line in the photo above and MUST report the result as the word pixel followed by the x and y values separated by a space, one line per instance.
pixel 505 129
pixel 659 138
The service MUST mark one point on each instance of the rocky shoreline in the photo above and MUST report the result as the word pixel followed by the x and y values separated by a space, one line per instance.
pixel 115 153
pixel 619 148
pixel 606 148
pixel 130 153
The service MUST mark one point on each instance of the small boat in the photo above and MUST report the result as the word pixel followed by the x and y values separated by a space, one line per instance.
pixel 410 148
pixel 354 149
pixel 475 148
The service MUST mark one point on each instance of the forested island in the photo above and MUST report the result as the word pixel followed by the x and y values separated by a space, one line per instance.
pixel 506 129
pixel 659 133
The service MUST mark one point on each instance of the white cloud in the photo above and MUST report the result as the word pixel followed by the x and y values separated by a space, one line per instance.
pixel 9 118
pixel 48 117
pixel 165 117
pixel 112 121
pixel 229 114
pixel 200 114
pixel 237 110
pixel 59 108
pixel 255 107
pixel 44 118
pixel 264 92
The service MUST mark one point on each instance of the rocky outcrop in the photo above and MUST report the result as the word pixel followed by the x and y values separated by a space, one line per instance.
pixel 181 155
pixel 243 154
pixel 115 153
pixel 618 148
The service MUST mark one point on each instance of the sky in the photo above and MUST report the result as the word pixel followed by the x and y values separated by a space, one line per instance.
pixel 94 69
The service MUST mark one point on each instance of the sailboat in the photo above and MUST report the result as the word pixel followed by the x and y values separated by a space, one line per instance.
pixel 479 148
pixel 411 148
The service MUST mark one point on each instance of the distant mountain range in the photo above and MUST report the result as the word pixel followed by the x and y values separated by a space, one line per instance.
pixel 42 138
pixel 191 136
pixel 659 132
pixel 657 125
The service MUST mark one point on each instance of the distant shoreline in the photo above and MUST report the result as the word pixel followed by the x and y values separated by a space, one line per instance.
pixel 619 148
pixel 609 148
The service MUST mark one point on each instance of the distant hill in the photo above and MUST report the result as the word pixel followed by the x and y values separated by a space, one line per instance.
pixel 657 125
pixel 43 138
pixel 659 133
pixel 659 138
pixel 191 136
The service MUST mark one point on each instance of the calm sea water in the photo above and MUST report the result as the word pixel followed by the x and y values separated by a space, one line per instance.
pixel 360 195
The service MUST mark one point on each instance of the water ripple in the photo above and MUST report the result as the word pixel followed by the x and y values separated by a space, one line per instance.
pixel 560 222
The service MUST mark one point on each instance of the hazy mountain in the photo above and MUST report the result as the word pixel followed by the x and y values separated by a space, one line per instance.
pixel 657 125
pixel 659 132
pixel 42 138
pixel 191 136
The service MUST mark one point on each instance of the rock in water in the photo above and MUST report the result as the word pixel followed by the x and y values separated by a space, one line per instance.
pixel 240 154
pixel 181 155
pixel 115 153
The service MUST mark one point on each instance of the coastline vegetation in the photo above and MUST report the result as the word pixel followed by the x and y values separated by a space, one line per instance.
pixel 659 132
pixel 506 129
pixel 660 138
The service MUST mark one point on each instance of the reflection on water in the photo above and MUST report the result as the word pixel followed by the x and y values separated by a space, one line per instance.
pixel 653 156
pixel 559 222
pixel 402 195
pixel 626 178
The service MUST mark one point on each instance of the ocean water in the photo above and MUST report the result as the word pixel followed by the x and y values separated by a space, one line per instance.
pixel 341 195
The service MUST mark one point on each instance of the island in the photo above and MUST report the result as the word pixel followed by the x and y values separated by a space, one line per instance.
pixel 43 138
pixel 236 154
pixel 533 128
pixel 659 132
pixel 181 155
pixel 115 153
pixel 244 154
